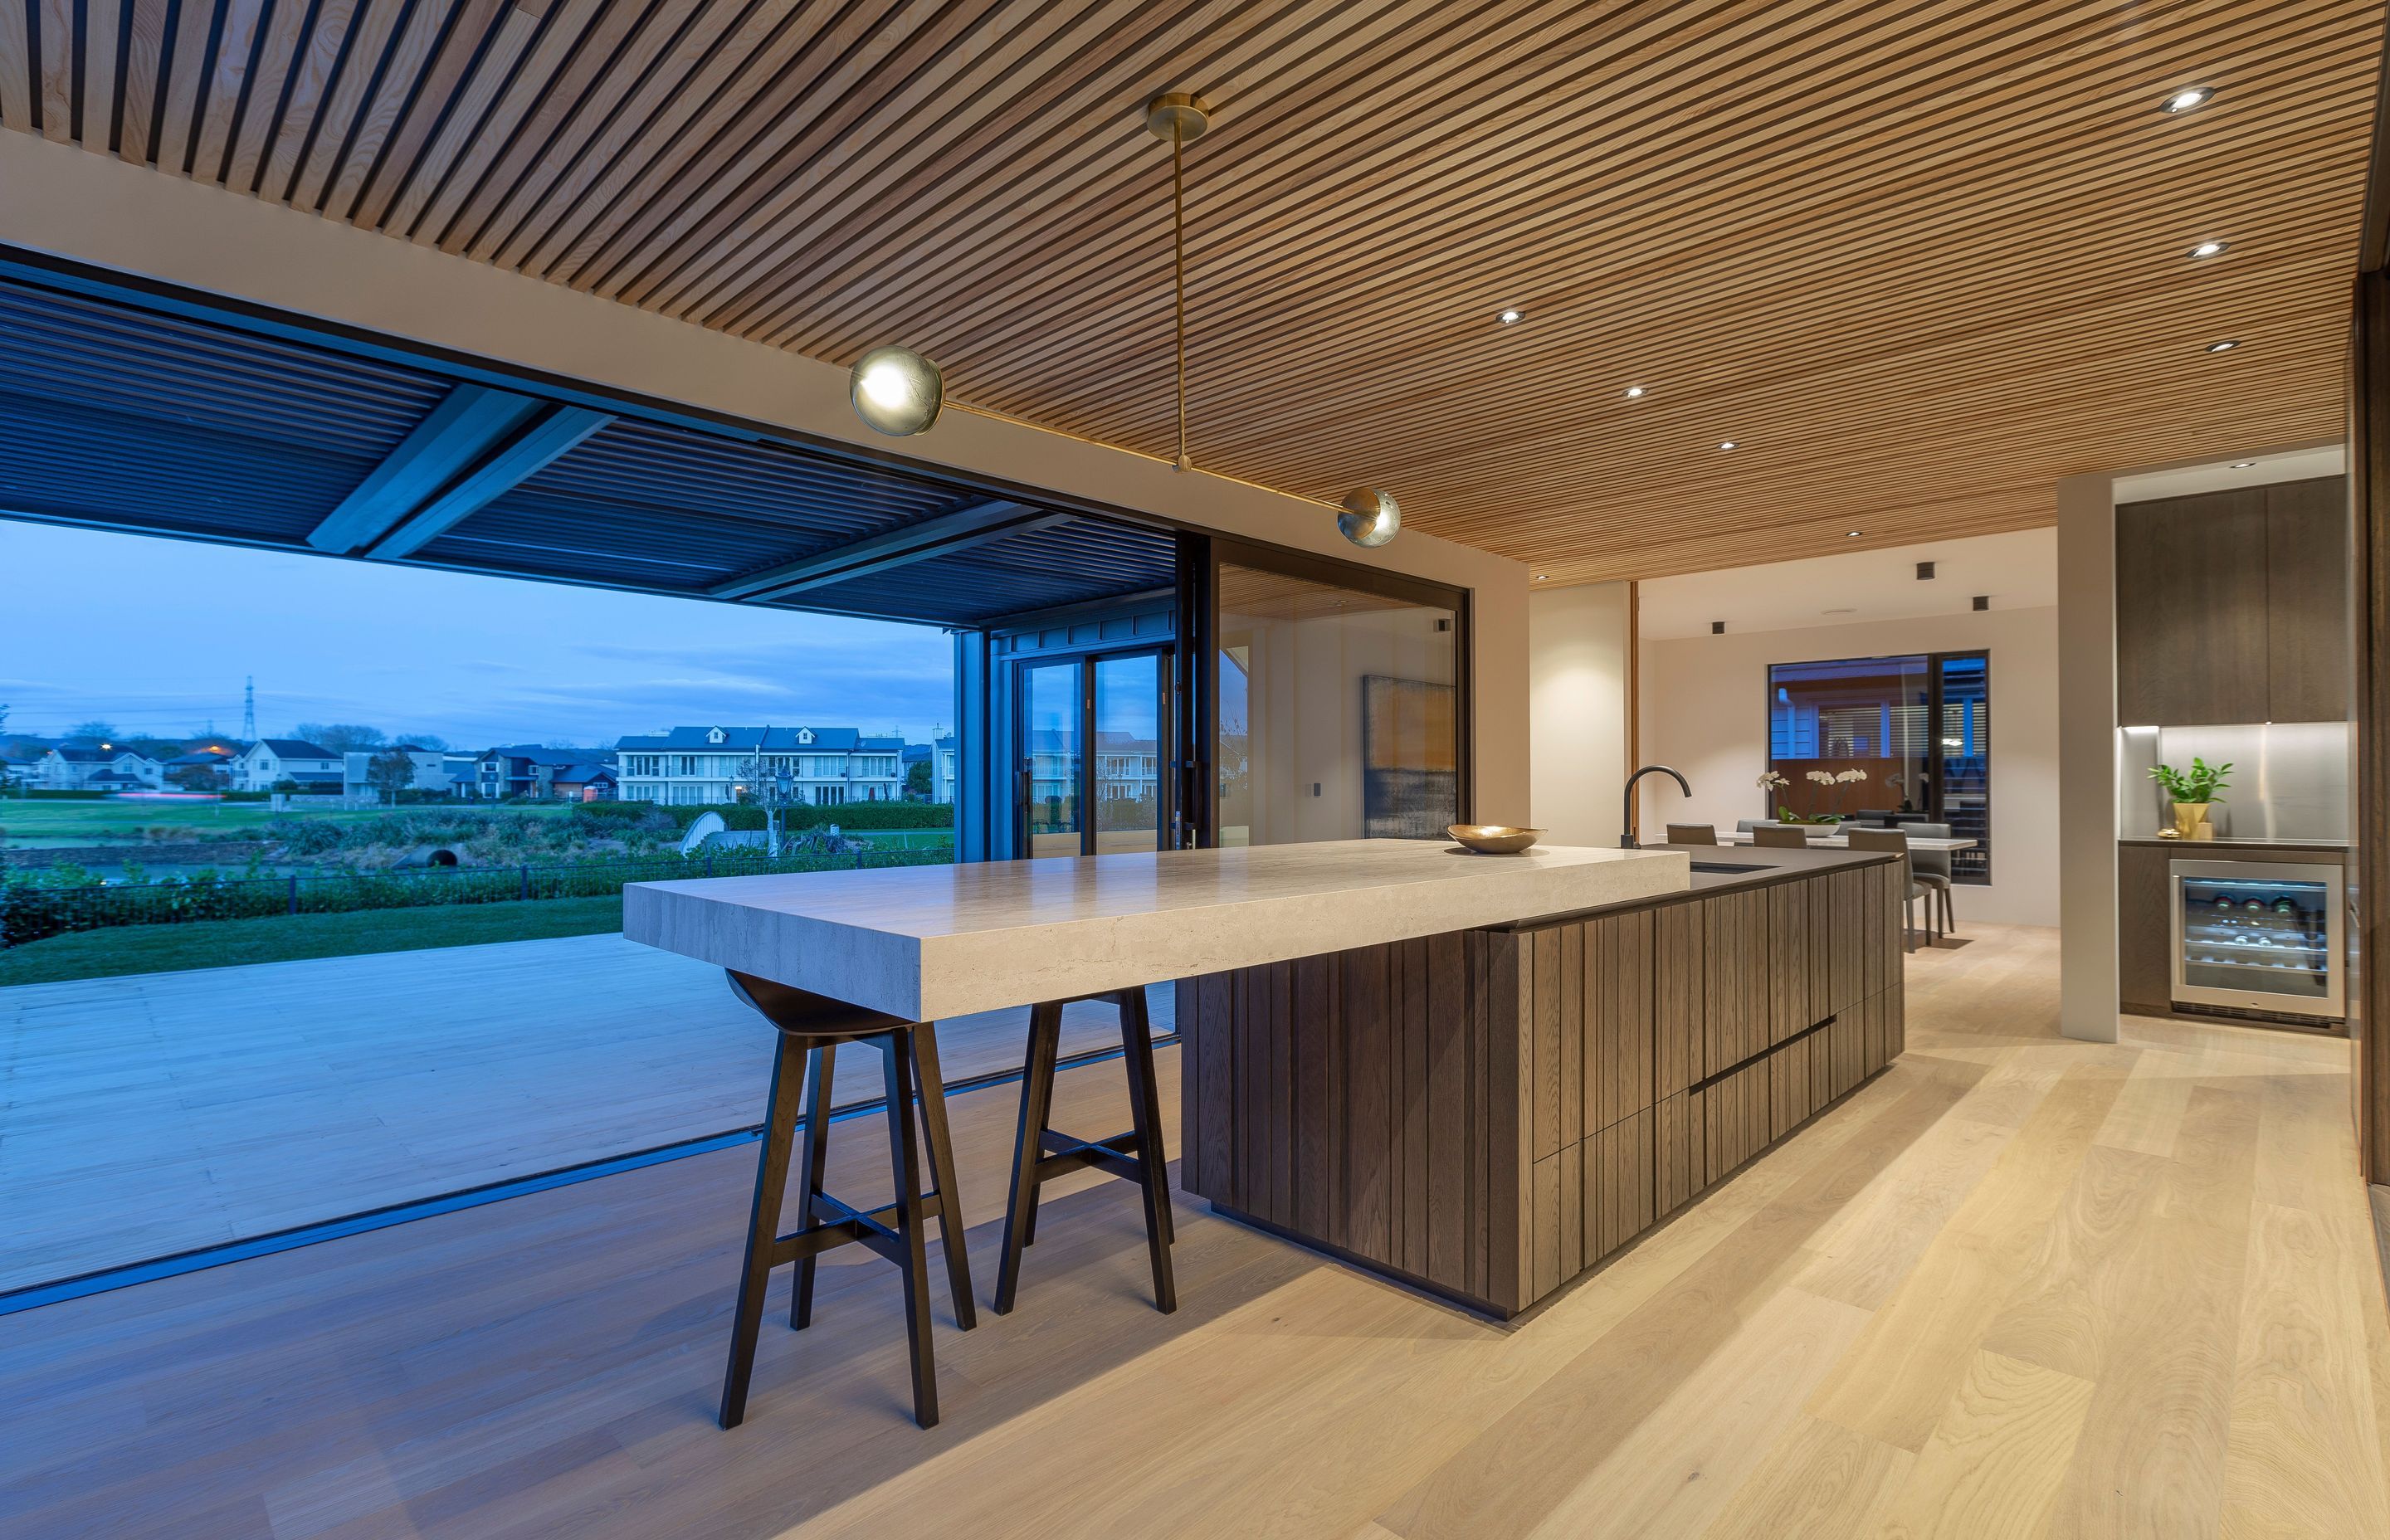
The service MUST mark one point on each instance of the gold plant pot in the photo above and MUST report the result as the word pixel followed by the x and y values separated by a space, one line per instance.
pixel 2191 821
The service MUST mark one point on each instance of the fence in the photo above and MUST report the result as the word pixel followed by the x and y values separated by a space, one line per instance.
pixel 31 908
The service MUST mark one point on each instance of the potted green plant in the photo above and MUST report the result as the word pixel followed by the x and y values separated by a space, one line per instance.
pixel 2192 792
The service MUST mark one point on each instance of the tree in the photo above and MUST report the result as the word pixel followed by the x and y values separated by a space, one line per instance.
pixel 342 737
pixel 390 773
pixel 427 740
pixel 98 729
pixel 916 779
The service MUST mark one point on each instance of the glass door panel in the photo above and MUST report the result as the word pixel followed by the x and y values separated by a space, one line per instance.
pixel 1052 757
pixel 1128 759
pixel 1338 712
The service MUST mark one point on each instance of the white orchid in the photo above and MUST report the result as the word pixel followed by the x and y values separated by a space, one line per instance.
pixel 1849 775
pixel 1823 777
pixel 1769 780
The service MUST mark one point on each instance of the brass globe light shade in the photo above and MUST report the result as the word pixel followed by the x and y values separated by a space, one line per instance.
pixel 896 391
pixel 1371 518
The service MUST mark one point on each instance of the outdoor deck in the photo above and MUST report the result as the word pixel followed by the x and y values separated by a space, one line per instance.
pixel 162 1112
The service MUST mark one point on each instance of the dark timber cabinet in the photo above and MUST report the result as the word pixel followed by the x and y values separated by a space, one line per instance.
pixel 1490 1113
pixel 2233 607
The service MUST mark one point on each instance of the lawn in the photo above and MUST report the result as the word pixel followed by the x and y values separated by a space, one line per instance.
pixel 34 823
pixel 281 938
pixel 902 839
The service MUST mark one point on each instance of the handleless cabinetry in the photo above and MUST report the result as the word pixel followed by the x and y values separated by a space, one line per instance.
pixel 2231 606
pixel 2307 601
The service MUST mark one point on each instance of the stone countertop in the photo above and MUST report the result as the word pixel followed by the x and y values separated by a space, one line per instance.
pixel 932 942
pixel 1769 865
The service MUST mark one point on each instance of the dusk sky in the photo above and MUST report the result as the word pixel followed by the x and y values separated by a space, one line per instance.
pixel 155 636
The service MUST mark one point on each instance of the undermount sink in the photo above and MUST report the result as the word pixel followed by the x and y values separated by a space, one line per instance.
pixel 1726 866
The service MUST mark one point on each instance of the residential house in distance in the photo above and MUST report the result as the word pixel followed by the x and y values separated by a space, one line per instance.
pixel 208 769
pixel 583 782
pixel 693 767
pixel 939 756
pixel 356 771
pixel 527 770
pixel 84 767
pixel 271 760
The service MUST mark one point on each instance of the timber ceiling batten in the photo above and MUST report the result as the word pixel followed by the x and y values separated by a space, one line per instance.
pixel 1918 263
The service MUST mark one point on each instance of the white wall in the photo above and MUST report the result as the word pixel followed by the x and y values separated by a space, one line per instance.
pixel 1704 711
pixel 1577 648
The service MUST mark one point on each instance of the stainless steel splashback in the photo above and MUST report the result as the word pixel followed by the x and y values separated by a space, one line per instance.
pixel 2290 779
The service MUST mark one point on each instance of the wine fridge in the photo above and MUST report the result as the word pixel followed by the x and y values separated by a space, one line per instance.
pixel 2258 937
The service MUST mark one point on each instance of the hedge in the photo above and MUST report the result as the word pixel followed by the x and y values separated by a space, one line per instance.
pixel 35 904
pixel 750 816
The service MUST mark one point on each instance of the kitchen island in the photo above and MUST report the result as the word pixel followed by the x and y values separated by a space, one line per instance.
pixel 1481 1074
pixel 1487 1113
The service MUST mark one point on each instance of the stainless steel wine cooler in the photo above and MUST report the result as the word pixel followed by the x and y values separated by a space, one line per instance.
pixel 2258 936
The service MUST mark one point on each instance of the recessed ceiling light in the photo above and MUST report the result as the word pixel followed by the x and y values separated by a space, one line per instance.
pixel 1511 317
pixel 2223 347
pixel 1542 576
pixel 2184 100
pixel 2210 249
pixel 1633 392
pixel 1725 443
pixel 2242 465
pixel 1850 534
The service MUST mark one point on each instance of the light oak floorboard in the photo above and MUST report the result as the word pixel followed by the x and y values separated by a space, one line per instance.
pixel 2052 1297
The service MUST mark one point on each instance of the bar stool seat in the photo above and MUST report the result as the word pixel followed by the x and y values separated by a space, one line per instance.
pixel 1040 1154
pixel 811 1027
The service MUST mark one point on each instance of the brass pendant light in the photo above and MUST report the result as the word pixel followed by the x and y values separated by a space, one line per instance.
pixel 1180 117
pixel 896 391
pixel 1371 518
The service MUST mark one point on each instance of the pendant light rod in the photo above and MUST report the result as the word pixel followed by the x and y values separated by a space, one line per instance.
pixel 1178 116
pixel 1179 263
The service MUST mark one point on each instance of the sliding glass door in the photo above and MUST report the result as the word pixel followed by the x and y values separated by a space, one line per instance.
pixel 1092 742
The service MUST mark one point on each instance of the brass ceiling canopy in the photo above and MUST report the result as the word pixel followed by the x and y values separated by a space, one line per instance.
pixel 1178 117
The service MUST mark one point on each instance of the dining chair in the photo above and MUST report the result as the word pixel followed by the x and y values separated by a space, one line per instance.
pixel 1932 868
pixel 1692 834
pixel 1897 839
pixel 1780 836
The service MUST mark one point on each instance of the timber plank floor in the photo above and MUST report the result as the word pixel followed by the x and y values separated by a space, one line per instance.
pixel 161 1112
pixel 2015 1286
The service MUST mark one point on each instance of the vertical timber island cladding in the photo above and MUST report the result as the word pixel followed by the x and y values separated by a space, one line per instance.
pixel 1488 1114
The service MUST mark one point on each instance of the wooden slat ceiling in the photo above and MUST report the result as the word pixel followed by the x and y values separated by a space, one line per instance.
pixel 1920 260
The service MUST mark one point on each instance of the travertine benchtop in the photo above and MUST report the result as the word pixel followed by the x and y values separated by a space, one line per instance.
pixel 930 941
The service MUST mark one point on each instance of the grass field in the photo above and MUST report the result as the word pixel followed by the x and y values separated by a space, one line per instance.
pixel 226 943
pixel 903 839
pixel 40 824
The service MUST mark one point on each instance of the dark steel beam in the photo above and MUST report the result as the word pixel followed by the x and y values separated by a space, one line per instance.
pixel 469 422
pixel 943 535
pixel 548 436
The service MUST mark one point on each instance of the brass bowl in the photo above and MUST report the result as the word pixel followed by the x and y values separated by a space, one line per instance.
pixel 1493 838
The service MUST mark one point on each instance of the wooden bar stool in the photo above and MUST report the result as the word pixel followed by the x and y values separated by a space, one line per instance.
pixel 1040 1154
pixel 811 1028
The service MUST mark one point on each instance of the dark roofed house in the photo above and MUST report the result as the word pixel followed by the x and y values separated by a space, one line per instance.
pixel 530 770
